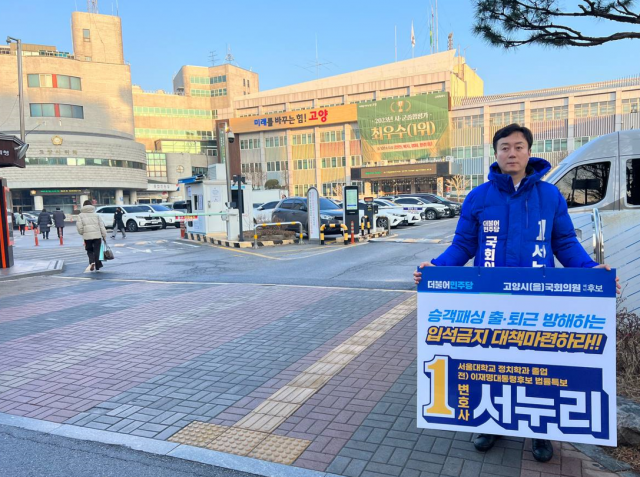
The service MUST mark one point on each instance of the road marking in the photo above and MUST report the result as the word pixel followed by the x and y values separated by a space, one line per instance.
pixel 252 435
pixel 185 244
pixel 167 282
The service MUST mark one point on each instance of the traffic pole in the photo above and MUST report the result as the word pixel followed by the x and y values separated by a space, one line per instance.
pixel 35 234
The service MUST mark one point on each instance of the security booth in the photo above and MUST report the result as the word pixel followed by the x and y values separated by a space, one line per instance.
pixel 351 208
pixel 12 154
pixel 210 212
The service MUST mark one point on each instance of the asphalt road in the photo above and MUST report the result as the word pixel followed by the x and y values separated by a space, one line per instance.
pixel 25 453
pixel 159 255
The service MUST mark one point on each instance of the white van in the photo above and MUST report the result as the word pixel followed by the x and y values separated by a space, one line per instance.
pixel 604 174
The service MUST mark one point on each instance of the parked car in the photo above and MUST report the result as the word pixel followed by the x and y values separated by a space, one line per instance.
pixel 135 217
pixel 181 205
pixel 169 216
pixel 29 216
pixel 264 212
pixel 294 209
pixel 385 218
pixel 408 217
pixel 427 210
pixel 454 206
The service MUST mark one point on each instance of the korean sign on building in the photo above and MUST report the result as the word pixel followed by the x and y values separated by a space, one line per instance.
pixel 527 352
pixel 416 127
pixel 307 118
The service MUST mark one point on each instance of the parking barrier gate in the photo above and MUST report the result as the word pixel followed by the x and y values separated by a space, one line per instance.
pixel 261 226
pixel 342 227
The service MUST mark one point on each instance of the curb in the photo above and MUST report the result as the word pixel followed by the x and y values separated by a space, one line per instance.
pixel 53 268
pixel 195 237
pixel 159 447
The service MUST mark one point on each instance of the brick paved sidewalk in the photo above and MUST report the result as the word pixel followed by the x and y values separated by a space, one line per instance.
pixel 316 378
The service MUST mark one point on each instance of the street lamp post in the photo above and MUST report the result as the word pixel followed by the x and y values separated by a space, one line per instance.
pixel 20 86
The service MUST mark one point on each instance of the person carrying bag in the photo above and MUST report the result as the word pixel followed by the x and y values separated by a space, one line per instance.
pixel 93 232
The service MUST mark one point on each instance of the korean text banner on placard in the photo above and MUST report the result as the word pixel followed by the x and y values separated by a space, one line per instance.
pixel 526 352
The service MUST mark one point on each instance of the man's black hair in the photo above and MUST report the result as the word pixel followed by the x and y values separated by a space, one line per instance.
pixel 508 131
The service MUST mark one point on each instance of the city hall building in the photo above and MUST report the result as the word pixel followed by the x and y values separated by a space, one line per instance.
pixel 323 134
pixel 403 127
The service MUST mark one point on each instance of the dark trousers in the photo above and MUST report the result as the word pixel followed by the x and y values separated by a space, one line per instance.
pixel 22 229
pixel 45 233
pixel 93 251
pixel 60 231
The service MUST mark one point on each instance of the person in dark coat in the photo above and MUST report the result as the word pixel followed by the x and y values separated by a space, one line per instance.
pixel 58 220
pixel 118 223
pixel 45 221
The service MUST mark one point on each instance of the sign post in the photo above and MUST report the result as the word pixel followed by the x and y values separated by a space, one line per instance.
pixel 526 352
pixel 313 215
pixel 13 153
pixel 351 210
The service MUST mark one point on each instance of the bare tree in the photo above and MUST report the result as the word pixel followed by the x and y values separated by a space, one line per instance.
pixel 513 23
pixel 458 183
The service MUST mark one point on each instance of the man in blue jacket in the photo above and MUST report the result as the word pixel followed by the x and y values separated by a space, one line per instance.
pixel 514 220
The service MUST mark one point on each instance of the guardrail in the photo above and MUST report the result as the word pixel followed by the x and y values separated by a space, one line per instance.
pixel 267 224
pixel 331 226
pixel 598 236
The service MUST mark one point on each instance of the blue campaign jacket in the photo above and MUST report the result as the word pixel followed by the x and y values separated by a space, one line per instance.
pixel 504 227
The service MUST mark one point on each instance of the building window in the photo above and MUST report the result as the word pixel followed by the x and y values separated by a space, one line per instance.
pixel 86 34
pixel 53 81
pixel 175 112
pixel 467 152
pixel 355 134
pixel 276 166
pixel 250 143
pixel 549 114
pixel 275 141
pixel 209 93
pixel 331 136
pixel 55 110
pixel 156 164
pixel 506 118
pixel 602 108
pixel 549 145
pixel 81 161
pixel 631 105
pixel 475 121
pixel 356 161
pixel 208 80
pixel 301 190
pixel 302 164
pixel 196 171
pixel 174 134
pixel 298 139
pixel 332 188
pixel 332 162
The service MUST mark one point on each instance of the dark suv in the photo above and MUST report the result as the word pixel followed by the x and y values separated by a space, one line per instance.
pixel 436 199
pixel 294 209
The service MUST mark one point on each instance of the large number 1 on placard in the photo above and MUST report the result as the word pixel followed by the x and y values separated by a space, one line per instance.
pixel 437 371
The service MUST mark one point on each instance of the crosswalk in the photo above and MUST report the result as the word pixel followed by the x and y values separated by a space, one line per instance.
pixel 75 253
pixel 412 240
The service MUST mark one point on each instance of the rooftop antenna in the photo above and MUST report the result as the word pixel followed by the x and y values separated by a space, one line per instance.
pixel 213 57
pixel 229 58
pixel 92 6
pixel 315 65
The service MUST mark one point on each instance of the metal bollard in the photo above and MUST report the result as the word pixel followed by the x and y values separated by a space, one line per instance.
pixel 346 234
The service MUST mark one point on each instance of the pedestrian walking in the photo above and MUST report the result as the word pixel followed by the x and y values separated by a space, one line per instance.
pixel 45 221
pixel 118 223
pixel 93 232
pixel 21 222
pixel 58 220
pixel 533 222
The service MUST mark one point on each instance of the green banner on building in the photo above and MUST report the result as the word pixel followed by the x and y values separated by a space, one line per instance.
pixel 401 129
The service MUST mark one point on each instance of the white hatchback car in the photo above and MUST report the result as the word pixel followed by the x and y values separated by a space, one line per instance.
pixel 408 217
pixel 135 217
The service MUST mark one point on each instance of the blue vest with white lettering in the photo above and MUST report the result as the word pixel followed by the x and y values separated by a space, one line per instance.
pixel 504 227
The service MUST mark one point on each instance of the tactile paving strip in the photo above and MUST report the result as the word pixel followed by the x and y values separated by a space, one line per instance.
pixel 198 434
pixel 280 449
